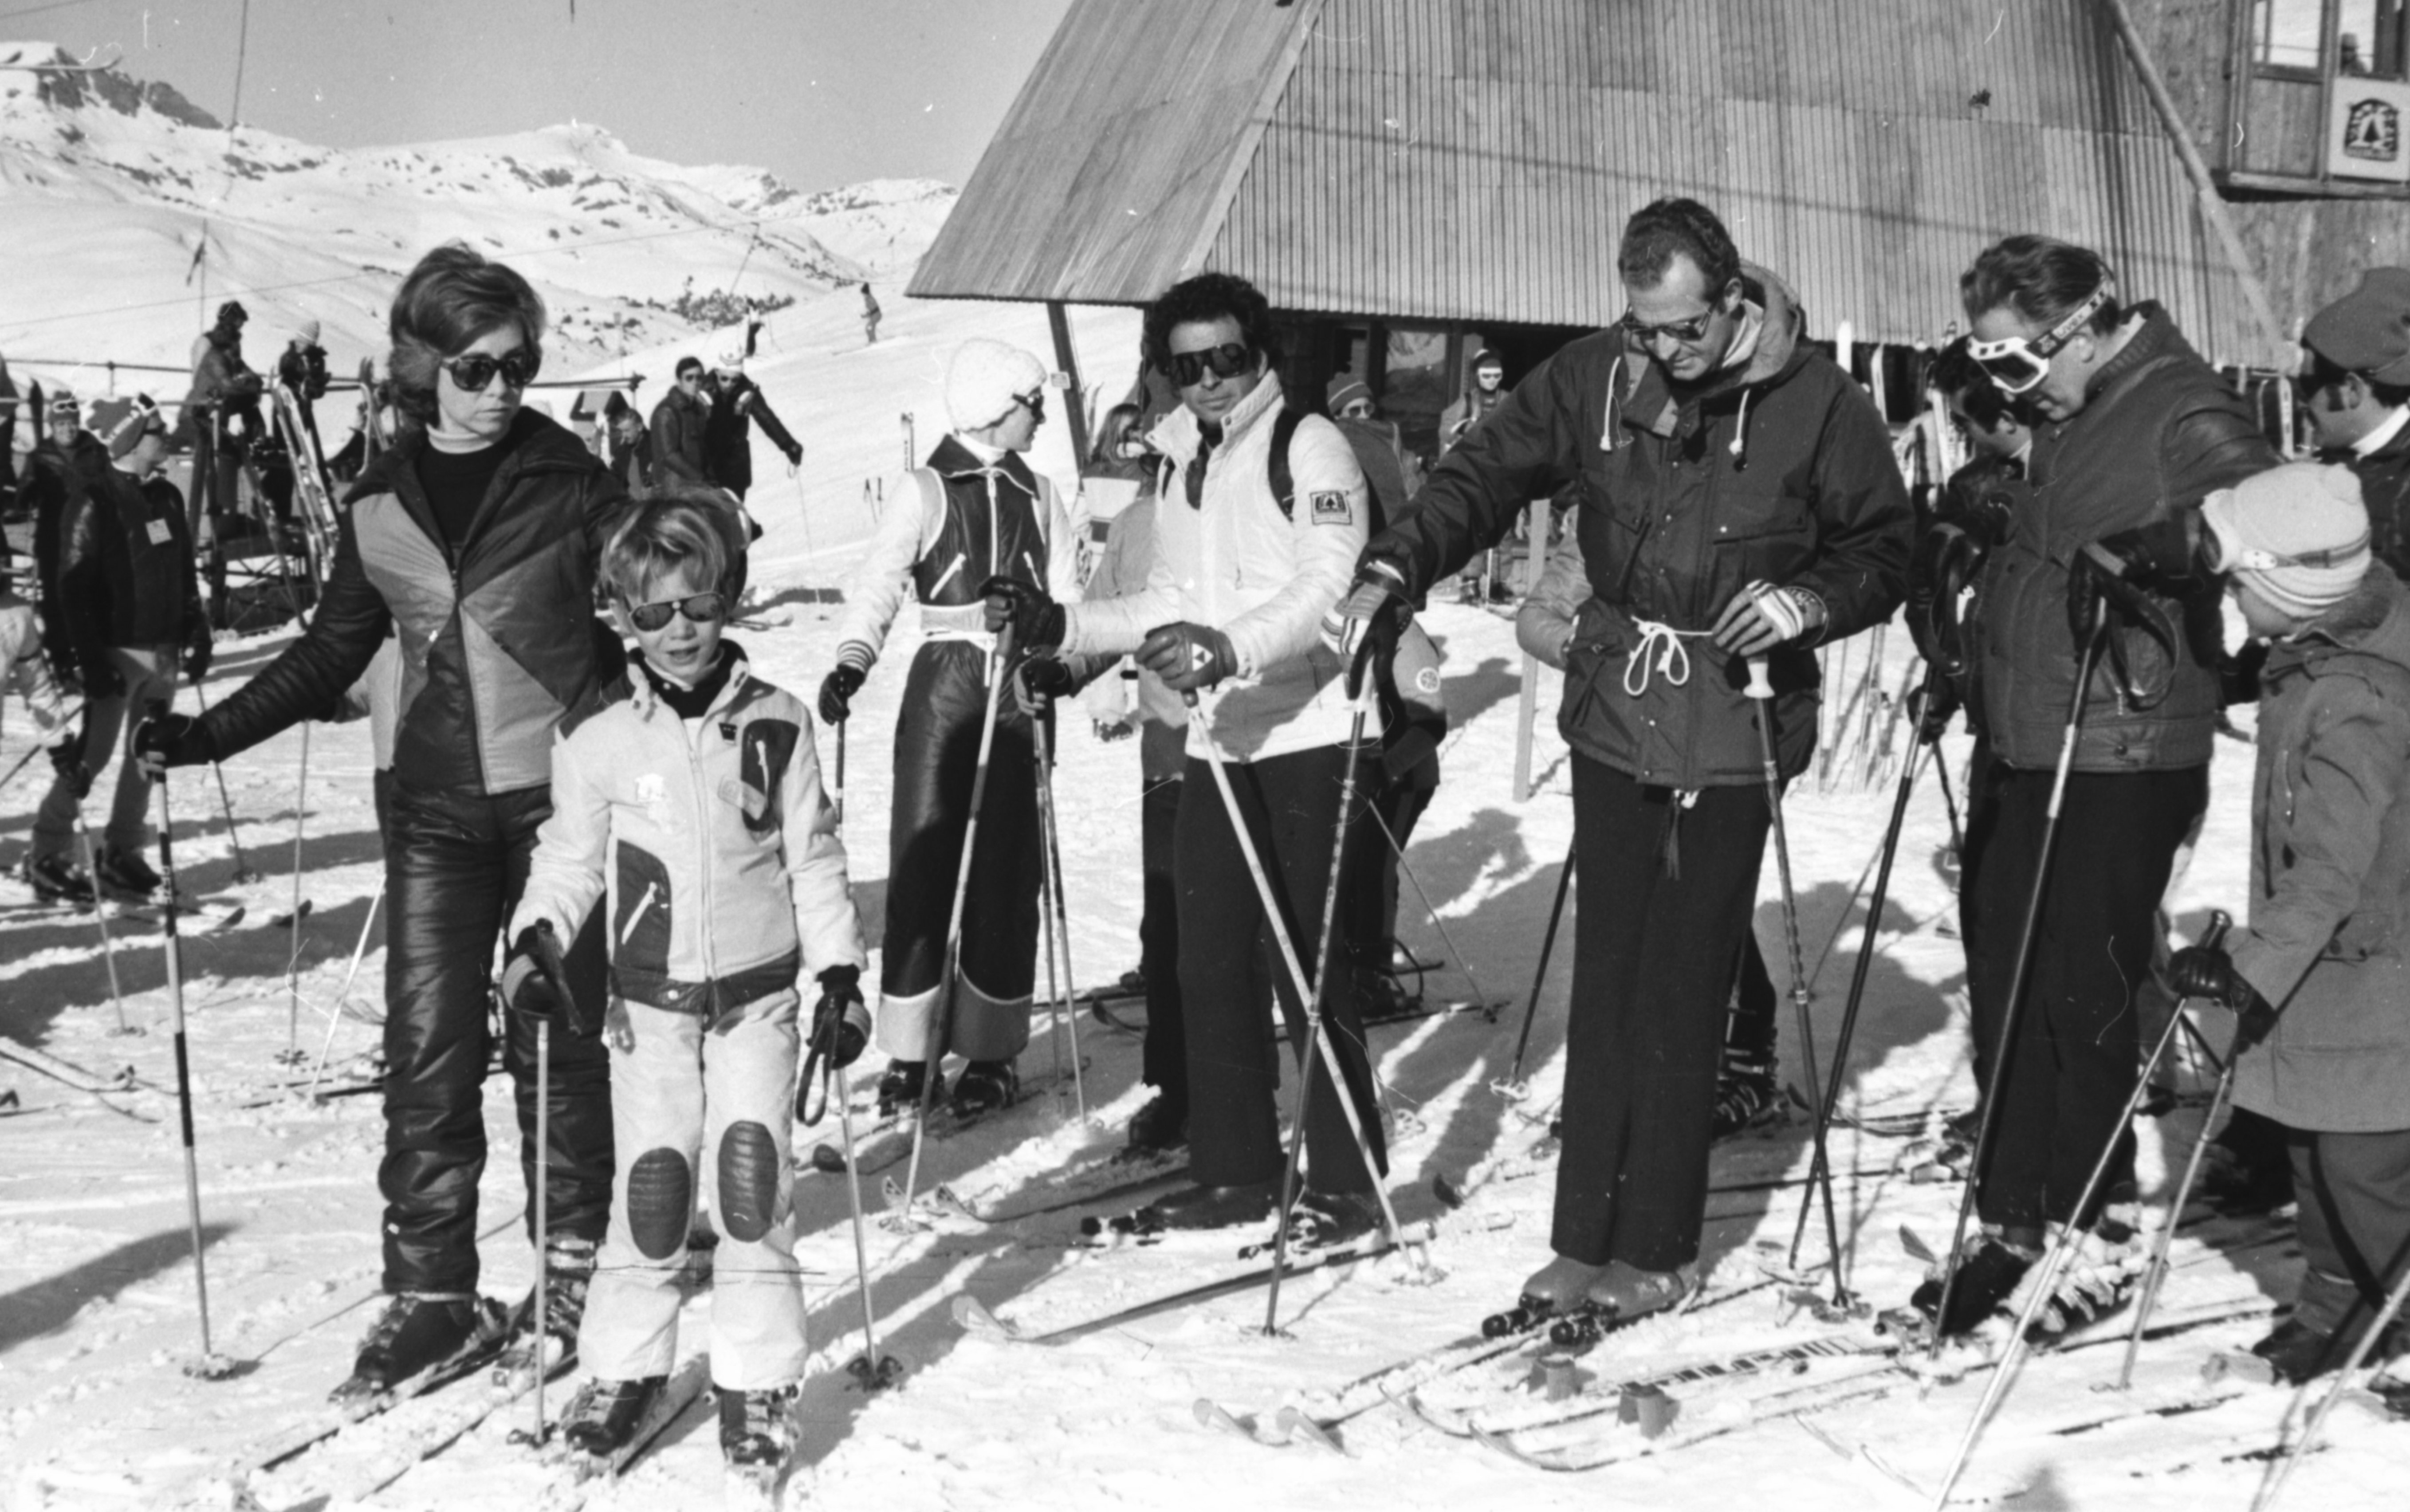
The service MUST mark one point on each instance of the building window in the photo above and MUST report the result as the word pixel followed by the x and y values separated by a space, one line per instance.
pixel 2289 38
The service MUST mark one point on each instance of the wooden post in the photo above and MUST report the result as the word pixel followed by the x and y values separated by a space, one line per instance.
pixel 1067 361
pixel 1526 709
pixel 2212 205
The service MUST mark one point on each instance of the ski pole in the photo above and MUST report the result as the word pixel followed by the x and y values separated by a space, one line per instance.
pixel 1046 881
pixel 292 1051
pixel 1762 692
pixel 1463 963
pixel 1061 921
pixel 999 667
pixel 840 773
pixel 1857 997
pixel 1950 805
pixel 548 959
pixel 359 950
pixel 100 916
pixel 872 1370
pixel 2085 660
pixel 1547 946
pixel 2154 1272
pixel 2004 1370
pixel 1311 996
pixel 2280 1467
pixel 244 875
pixel 211 1366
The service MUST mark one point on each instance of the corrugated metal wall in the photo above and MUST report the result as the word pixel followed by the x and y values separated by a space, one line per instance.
pixel 1475 160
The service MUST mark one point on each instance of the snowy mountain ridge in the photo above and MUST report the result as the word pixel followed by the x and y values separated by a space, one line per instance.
pixel 127 215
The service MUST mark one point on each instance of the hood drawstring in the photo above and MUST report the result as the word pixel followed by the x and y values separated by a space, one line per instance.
pixel 1665 644
pixel 1741 434
pixel 1614 404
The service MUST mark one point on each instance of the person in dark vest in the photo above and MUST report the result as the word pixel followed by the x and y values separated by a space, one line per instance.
pixel 973 513
pixel 476 535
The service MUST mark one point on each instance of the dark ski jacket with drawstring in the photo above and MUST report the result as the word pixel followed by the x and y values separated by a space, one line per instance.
pixel 499 638
pixel 2159 431
pixel 1777 469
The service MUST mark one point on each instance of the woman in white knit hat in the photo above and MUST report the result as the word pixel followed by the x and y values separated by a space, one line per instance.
pixel 981 514
pixel 2320 979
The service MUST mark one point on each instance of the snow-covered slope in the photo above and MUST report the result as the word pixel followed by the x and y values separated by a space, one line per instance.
pixel 110 187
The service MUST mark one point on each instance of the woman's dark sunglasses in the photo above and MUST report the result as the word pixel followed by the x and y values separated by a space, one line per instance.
pixel 700 608
pixel 1228 360
pixel 477 369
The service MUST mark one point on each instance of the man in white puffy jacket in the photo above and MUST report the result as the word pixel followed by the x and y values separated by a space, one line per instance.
pixel 1231 611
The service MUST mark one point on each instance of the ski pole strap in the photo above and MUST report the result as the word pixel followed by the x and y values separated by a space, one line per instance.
pixel 815 1069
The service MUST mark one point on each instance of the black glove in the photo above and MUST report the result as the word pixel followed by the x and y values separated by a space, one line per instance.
pixel 1044 677
pixel 1187 657
pixel 66 759
pixel 1036 619
pixel 527 988
pixel 836 692
pixel 2096 586
pixel 164 740
pixel 2238 675
pixel 2164 555
pixel 1931 707
pixel 795 454
pixel 841 1022
pixel 1946 560
pixel 2208 971
pixel 198 652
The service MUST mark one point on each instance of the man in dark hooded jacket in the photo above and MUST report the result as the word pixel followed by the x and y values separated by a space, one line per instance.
pixel 1737 498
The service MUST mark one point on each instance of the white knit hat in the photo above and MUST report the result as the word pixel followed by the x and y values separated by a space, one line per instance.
pixel 985 378
pixel 2297 533
pixel 731 360
pixel 308 331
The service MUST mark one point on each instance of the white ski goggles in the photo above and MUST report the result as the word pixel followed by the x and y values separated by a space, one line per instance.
pixel 2017 366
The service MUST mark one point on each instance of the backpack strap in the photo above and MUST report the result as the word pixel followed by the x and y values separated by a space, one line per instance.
pixel 1283 485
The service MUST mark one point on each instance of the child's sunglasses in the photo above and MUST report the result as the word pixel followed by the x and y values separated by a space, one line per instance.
pixel 700 608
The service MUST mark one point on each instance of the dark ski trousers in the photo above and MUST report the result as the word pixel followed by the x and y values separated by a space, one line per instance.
pixel 1230 967
pixel 456 864
pixel 1164 1059
pixel 2076 1049
pixel 1667 896
pixel 2355 1222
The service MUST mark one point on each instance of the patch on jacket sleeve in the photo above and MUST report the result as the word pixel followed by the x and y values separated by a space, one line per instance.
pixel 1427 681
pixel 1332 509
pixel 769 748
pixel 653 797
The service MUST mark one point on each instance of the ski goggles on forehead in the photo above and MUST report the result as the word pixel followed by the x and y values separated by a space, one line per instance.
pixel 1228 360
pixel 2256 560
pixel 699 608
pixel 2017 366
pixel 477 369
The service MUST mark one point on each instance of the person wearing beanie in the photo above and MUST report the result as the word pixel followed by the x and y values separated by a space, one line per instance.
pixel 982 516
pixel 2354 387
pixel 736 401
pixel 1474 404
pixel 130 607
pixel 2318 976
pixel 301 368
pixel 1348 397
pixel 59 471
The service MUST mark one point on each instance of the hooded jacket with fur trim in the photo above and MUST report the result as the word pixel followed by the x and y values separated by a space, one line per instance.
pixel 1776 469
pixel 714 838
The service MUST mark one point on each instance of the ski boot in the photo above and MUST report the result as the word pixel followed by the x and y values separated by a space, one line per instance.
pixel 757 1429
pixel 1204 1207
pixel 604 1415
pixel 568 1269
pixel 1556 1289
pixel 2098 1279
pixel 53 880
pixel 1379 999
pixel 985 1086
pixel 1622 1295
pixel 1322 1219
pixel 418 1338
pixel 1161 1124
pixel 900 1088
pixel 124 874
pixel 1746 1096
pixel 1996 1260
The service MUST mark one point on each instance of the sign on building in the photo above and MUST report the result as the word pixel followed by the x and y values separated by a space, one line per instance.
pixel 2365 131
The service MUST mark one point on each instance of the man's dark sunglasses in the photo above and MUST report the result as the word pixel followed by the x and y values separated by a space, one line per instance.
pixel 1684 331
pixel 477 369
pixel 1228 360
pixel 700 608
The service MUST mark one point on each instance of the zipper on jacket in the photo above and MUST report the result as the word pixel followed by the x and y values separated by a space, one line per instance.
pixel 643 906
pixel 946 577
pixel 703 840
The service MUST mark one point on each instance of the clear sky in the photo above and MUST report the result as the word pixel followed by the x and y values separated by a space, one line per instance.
pixel 821 92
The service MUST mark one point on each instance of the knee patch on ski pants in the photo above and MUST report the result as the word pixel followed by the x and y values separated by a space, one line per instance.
pixel 748 1181
pixel 660 1202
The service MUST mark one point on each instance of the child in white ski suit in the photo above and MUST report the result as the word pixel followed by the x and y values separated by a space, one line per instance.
pixel 696 800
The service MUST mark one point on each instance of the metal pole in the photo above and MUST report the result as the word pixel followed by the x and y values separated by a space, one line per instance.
pixel 1060 922
pixel 210 1366
pixel 1547 945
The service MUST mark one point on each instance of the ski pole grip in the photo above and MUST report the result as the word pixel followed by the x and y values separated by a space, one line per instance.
pixel 2219 923
pixel 549 961
pixel 1758 685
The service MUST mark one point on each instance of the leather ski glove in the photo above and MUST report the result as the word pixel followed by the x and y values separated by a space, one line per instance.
pixel 1187 657
pixel 1378 593
pixel 2208 971
pixel 841 1022
pixel 1036 619
pixel 164 740
pixel 836 692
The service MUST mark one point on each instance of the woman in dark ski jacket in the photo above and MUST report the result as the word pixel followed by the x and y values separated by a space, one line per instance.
pixel 477 536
